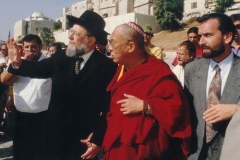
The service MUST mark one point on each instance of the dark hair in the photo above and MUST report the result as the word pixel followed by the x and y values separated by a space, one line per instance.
pixel 225 23
pixel 193 30
pixel 189 46
pixel 57 45
pixel 30 37
pixel 235 17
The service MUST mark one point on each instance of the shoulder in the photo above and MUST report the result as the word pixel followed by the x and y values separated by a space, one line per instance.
pixel 195 65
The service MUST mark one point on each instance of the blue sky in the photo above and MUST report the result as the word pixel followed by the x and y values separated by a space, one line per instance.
pixel 12 11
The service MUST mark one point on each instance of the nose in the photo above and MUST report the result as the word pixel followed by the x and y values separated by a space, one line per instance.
pixel 201 40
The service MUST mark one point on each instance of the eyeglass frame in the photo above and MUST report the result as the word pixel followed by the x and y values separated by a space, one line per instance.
pixel 110 43
pixel 237 26
pixel 73 32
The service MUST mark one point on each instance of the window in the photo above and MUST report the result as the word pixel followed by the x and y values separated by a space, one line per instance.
pixel 36 29
pixel 193 5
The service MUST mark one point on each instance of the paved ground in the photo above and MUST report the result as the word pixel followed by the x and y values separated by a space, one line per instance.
pixel 6 141
pixel 5 147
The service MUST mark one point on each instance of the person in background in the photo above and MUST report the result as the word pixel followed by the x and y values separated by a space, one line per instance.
pixel 101 45
pixel 193 36
pixel 3 87
pixel 150 48
pixel 185 54
pixel 212 86
pixel 236 41
pixel 147 118
pixel 20 43
pixel 31 99
pixel 53 48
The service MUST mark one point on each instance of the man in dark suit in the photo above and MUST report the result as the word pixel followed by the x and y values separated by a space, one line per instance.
pixel 212 86
pixel 75 123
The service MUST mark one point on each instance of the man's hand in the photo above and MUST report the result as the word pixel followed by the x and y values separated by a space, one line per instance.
pixel 92 150
pixel 131 105
pixel 219 112
pixel 13 52
pixel 3 65
pixel 9 105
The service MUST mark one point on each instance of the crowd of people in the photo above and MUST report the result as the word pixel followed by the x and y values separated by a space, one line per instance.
pixel 116 98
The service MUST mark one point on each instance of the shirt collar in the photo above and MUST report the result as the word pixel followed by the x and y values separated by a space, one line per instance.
pixel 87 55
pixel 224 64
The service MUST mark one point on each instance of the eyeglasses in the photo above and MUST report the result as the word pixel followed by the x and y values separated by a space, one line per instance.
pixel 237 26
pixel 73 32
pixel 113 45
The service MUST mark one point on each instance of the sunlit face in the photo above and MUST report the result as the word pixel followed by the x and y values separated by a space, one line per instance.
pixel 78 41
pixel 147 38
pixel 193 37
pixel 52 50
pixel 237 25
pixel 4 50
pixel 118 46
pixel 31 49
pixel 211 39
pixel 183 56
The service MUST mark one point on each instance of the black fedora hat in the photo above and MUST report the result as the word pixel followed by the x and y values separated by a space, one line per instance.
pixel 92 21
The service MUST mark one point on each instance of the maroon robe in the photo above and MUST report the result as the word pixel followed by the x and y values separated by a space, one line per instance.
pixel 163 134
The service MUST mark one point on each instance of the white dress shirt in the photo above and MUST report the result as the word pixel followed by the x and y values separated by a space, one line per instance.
pixel 85 58
pixel 32 95
pixel 179 72
pixel 225 66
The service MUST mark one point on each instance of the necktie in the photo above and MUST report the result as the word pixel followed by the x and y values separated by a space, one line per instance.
pixel 214 96
pixel 77 64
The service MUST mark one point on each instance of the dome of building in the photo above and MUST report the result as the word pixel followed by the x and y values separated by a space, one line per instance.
pixel 40 19
pixel 37 14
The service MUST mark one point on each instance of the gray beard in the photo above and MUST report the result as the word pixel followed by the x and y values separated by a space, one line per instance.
pixel 77 51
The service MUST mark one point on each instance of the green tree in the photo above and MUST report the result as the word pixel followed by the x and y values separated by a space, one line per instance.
pixel 57 25
pixel 46 36
pixel 168 13
pixel 222 5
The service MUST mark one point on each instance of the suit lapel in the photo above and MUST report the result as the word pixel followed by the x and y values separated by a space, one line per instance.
pixel 231 90
pixel 200 84
pixel 232 86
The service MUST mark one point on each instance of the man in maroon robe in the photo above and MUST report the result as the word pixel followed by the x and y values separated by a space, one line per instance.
pixel 149 116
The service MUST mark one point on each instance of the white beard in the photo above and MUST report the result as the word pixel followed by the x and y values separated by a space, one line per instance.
pixel 77 51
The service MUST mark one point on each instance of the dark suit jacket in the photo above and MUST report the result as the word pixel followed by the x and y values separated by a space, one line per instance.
pixel 78 104
pixel 195 86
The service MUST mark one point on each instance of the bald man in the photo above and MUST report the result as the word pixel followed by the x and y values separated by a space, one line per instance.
pixel 141 101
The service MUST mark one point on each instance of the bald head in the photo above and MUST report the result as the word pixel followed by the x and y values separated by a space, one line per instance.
pixel 130 34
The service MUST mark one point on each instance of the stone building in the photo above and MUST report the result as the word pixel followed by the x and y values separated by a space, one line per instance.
pixel 32 24
pixel 108 8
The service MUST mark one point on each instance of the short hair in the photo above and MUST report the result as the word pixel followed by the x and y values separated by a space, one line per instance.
pixel 193 30
pixel 190 47
pixel 30 37
pixel 225 23
pixel 57 45
pixel 235 17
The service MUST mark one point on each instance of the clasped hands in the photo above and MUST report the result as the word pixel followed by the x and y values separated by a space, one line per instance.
pixel 219 112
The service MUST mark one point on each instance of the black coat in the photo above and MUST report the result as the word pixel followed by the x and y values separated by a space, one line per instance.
pixel 78 104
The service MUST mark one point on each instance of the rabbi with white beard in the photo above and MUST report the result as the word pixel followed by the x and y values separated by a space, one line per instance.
pixel 75 122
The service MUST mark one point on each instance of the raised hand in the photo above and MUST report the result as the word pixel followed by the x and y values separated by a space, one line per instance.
pixel 13 52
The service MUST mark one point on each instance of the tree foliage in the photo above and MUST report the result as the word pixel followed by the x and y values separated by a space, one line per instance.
pixel 168 13
pixel 57 25
pixel 46 36
pixel 222 5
